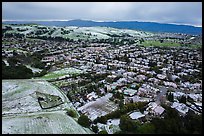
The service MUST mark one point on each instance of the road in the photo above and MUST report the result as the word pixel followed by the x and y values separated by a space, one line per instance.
pixel 163 91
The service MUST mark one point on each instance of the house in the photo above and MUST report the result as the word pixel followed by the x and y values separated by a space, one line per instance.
pixel 140 78
pixel 48 59
pixel 155 109
pixel 92 96
pixel 180 107
pixel 160 76
pixel 129 92
pixel 136 115
pixel 171 84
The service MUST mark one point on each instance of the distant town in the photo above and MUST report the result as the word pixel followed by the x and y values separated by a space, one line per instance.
pixel 118 81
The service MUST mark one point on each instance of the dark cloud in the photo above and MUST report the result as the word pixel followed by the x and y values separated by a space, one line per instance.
pixel 166 12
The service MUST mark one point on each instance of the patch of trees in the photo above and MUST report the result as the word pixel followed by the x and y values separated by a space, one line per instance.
pixel 152 64
pixel 172 123
pixel 124 58
pixel 7 28
pixel 141 40
pixel 13 35
pixel 16 71
pixel 156 69
pixel 84 121
pixel 35 60
pixel 71 112
pixel 128 125
pixel 170 96
pixel 95 128
pixel 118 95
pixel 182 99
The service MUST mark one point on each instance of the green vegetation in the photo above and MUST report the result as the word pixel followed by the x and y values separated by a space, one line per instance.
pixel 170 96
pixel 62 72
pixel 121 111
pixel 159 43
pixel 14 71
pixel 84 121
pixel 95 128
pixel 103 132
pixel 17 66
pixel 146 128
pixel 172 123
pixel 71 112
pixel 127 124
pixel 182 99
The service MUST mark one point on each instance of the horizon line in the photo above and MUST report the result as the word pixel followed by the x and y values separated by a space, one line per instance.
pixel 4 20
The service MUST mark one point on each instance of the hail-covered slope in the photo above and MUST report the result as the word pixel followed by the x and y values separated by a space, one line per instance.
pixel 73 32
pixel 22 114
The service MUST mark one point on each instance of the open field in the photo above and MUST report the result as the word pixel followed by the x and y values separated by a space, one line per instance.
pixel 56 122
pixel 158 43
pixel 21 111
pixel 61 73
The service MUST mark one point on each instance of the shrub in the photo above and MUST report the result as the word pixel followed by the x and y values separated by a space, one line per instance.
pixel 95 128
pixel 103 132
pixel 72 113
pixel 127 124
pixel 84 121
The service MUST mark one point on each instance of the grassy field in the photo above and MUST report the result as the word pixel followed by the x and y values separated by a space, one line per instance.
pixel 60 73
pixel 158 43
pixel 55 122
pixel 22 114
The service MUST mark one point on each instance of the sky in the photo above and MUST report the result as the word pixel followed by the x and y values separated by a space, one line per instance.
pixel 189 13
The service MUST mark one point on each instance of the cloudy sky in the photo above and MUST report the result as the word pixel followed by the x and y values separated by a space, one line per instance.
pixel 164 12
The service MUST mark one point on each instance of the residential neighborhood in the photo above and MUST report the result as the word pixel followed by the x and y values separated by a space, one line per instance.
pixel 101 77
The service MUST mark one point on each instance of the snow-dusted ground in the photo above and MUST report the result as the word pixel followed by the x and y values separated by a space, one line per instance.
pixel 6 62
pixel 56 122
pixel 34 70
pixel 100 107
pixel 81 32
pixel 62 73
pixel 21 110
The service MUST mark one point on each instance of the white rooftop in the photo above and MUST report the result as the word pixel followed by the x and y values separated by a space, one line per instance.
pixel 136 115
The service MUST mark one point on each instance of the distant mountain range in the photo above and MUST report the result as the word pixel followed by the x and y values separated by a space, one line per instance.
pixel 134 25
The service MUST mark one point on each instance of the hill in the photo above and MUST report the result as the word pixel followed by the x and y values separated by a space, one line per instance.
pixel 22 111
pixel 134 25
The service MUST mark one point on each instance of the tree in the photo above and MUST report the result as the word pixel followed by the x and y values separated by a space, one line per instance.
pixel 72 113
pixel 177 80
pixel 102 119
pixel 147 128
pixel 193 122
pixel 95 128
pixel 182 99
pixel 84 121
pixel 38 64
pixel 161 41
pixel 156 69
pixel 121 103
pixel 103 132
pixel 152 64
pixel 141 40
pixel 170 97
pixel 126 124
pixel 13 61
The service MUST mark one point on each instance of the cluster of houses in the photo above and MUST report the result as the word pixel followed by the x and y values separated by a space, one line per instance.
pixel 134 71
